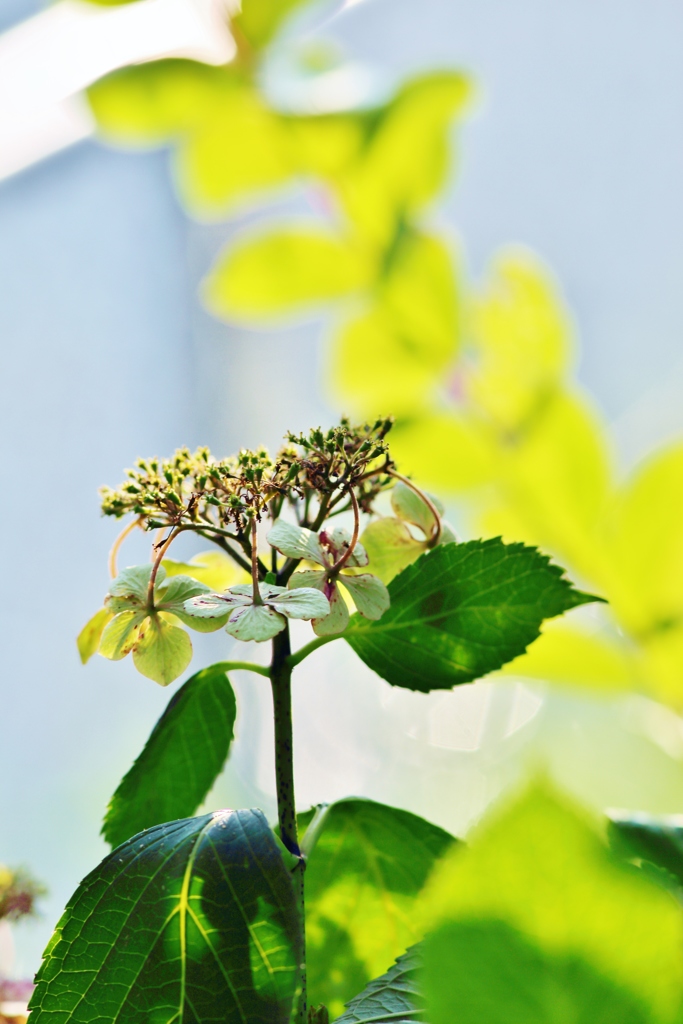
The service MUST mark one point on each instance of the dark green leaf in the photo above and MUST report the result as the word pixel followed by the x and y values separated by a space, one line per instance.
pixel 393 997
pixel 181 759
pixel 488 971
pixel 658 841
pixel 461 611
pixel 362 881
pixel 193 922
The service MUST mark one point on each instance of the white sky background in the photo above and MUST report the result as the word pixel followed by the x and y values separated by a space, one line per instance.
pixel 575 150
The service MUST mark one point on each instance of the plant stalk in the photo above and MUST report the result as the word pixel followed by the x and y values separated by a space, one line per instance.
pixel 281 683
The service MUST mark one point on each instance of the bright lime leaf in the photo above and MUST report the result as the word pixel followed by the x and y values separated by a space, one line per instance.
pixel 461 611
pixel 89 637
pixel 259 20
pixel 188 917
pixel 181 759
pixel 407 156
pixel 391 999
pixel 160 100
pixel 488 971
pixel 270 276
pixel 536 887
pixel 212 568
pixel 162 652
pixel 362 879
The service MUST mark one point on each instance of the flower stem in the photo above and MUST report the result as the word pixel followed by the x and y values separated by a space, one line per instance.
pixel 254 565
pixel 436 529
pixel 281 683
pixel 343 559
pixel 157 562
pixel 294 659
pixel 113 554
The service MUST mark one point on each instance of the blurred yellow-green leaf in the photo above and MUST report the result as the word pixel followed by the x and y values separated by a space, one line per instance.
pixel 213 568
pixel 89 637
pixel 265 278
pixel 539 875
pixel 259 20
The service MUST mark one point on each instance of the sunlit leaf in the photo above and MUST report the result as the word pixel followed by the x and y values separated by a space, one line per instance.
pixel 266 277
pixel 362 880
pixel 566 653
pixel 461 611
pixel 444 450
pixel 390 546
pixel 522 339
pixel 89 637
pixel 407 157
pixel 121 634
pixel 538 922
pixel 162 651
pixel 392 998
pixel 181 759
pixel 188 917
pixel 392 354
pixel 213 568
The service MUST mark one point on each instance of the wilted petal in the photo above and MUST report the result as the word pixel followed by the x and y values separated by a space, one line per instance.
pixel 120 636
pixel 174 592
pixel 255 622
pixel 302 603
pixel 338 617
pixel 295 541
pixel 162 652
pixel 214 606
pixel 369 594
pixel 336 542
pixel 409 506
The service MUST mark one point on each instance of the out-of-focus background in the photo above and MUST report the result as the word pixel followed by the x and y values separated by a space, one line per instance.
pixel 572 147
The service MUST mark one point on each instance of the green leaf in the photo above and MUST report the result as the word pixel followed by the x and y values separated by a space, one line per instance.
pixel 162 652
pixel 656 840
pixel 391 999
pixel 362 881
pixel 461 611
pixel 181 759
pixel 89 637
pixel 535 920
pixel 283 273
pixel 191 921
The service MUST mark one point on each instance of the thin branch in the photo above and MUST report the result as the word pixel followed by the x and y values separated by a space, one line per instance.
pixel 243 666
pixel 343 559
pixel 436 529
pixel 312 833
pixel 157 562
pixel 117 544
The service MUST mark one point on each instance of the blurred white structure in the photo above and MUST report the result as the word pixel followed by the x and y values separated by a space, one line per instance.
pixel 47 61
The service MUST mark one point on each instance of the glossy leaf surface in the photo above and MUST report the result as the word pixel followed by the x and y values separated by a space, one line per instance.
pixel 362 881
pixel 191 921
pixel 181 759
pixel 461 611
pixel 656 840
pixel 391 998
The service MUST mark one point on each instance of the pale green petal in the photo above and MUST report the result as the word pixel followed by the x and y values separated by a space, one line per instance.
pixel 369 594
pixel 174 592
pixel 301 603
pixel 295 541
pixel 255 622
pixel 162 652
pixel 89 637
pixel 337 620
pixel 309 578
pixel 337 541
pixel 134 582
pixel 121 634
pixel 409 506
pixel 214 606
pixel 447 534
